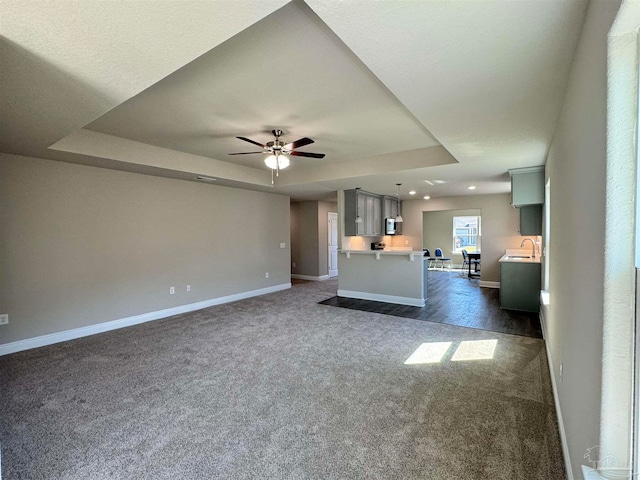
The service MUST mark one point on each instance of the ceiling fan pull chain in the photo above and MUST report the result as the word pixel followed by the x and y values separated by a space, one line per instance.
pixel 272 176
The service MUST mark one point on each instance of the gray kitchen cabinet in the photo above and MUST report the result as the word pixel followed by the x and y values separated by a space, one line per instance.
pixel 390 207
pixel 520 284
pixel 527 186
pixel 369 207
pixel 531 220
pixel 391 211
pixel 361 210
pixel 377 216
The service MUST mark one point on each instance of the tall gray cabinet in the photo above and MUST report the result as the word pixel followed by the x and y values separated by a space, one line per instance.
pixel 369 207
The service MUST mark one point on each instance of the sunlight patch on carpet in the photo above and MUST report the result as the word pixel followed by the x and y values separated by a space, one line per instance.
pixel 475 350
pixel 428 353
pixel 434 352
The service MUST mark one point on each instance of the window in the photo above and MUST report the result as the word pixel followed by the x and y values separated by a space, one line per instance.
pixel 466 234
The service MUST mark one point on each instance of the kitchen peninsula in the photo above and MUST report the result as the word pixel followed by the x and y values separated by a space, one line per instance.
pixel 392 276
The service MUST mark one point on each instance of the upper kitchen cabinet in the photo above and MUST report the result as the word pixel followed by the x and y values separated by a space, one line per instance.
pixel 527 186
pixel 366 205
pixel 391 211
pixel 531 220
pixel 390 207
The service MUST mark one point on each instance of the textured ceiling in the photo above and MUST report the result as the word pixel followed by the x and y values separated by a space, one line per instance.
pixel 390 91
pixel 262 79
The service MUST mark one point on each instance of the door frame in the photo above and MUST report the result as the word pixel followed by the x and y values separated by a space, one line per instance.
pixel 331 215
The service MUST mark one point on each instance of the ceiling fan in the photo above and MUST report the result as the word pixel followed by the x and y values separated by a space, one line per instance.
pixel 278 150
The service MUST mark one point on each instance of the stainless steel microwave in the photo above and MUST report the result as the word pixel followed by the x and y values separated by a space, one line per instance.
pixel 389 226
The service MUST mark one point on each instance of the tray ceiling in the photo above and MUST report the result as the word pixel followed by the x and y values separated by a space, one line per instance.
pixel 390 91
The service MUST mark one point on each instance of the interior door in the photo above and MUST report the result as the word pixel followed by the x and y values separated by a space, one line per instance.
pixel 333 244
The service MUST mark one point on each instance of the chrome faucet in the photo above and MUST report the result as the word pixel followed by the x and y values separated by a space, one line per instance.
pixel 533 247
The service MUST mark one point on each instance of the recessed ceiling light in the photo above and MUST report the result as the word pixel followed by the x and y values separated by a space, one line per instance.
pixel 426 197
pixel 439 181
pixel 412 192
pixel 471 187
pixel 205 179
pixel 429 182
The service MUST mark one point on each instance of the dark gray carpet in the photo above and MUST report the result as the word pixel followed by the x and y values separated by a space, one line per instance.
pixel 278 387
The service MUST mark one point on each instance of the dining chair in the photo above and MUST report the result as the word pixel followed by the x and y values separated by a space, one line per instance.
pixel 465 260
pixel 442 258
pixel 430 259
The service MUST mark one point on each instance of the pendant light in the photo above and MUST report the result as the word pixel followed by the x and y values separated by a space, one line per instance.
pixel 358 217
pixel 399 216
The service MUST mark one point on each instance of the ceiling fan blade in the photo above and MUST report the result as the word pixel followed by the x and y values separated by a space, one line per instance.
pixel 307 154
pixel 298 143
pixel 251 141
pixel 244 153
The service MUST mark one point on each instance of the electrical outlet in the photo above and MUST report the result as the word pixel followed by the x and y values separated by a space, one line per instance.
pixel 294 264
pixel 172 290
pixel 4 319
pixel 406 242
pixel 188 288
pixel 282 245
pixel 266 275
pixel 561 372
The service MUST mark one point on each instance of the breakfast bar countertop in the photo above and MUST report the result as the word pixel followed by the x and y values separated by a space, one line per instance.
pixel 396 251
pixel 385 252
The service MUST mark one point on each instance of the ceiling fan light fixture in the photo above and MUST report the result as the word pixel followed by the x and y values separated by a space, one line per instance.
pixel 271 161
pixel 283 161
pixel 278 152
pixel 277 162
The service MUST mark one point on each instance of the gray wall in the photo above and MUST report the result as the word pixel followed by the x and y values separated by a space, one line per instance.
pixel 295 235
pixel 81 245
pixel 500 224
pixel 437 231
pixel 310 237
pixel 576 167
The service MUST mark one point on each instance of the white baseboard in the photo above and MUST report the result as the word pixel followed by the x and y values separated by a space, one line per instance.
pixel 321 278
pixel 378 297
pixel 487 284
pixel 556 399
pixel 72 334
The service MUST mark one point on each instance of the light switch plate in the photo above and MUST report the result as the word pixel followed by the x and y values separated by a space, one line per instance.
pixel 282 245
pixel 4 319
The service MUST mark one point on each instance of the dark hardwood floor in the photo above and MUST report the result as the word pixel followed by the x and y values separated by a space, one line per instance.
pixel 455 300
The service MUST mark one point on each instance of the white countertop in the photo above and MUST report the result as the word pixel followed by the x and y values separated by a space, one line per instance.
pixel 377 253
pixel 384 252
pixel 515 256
